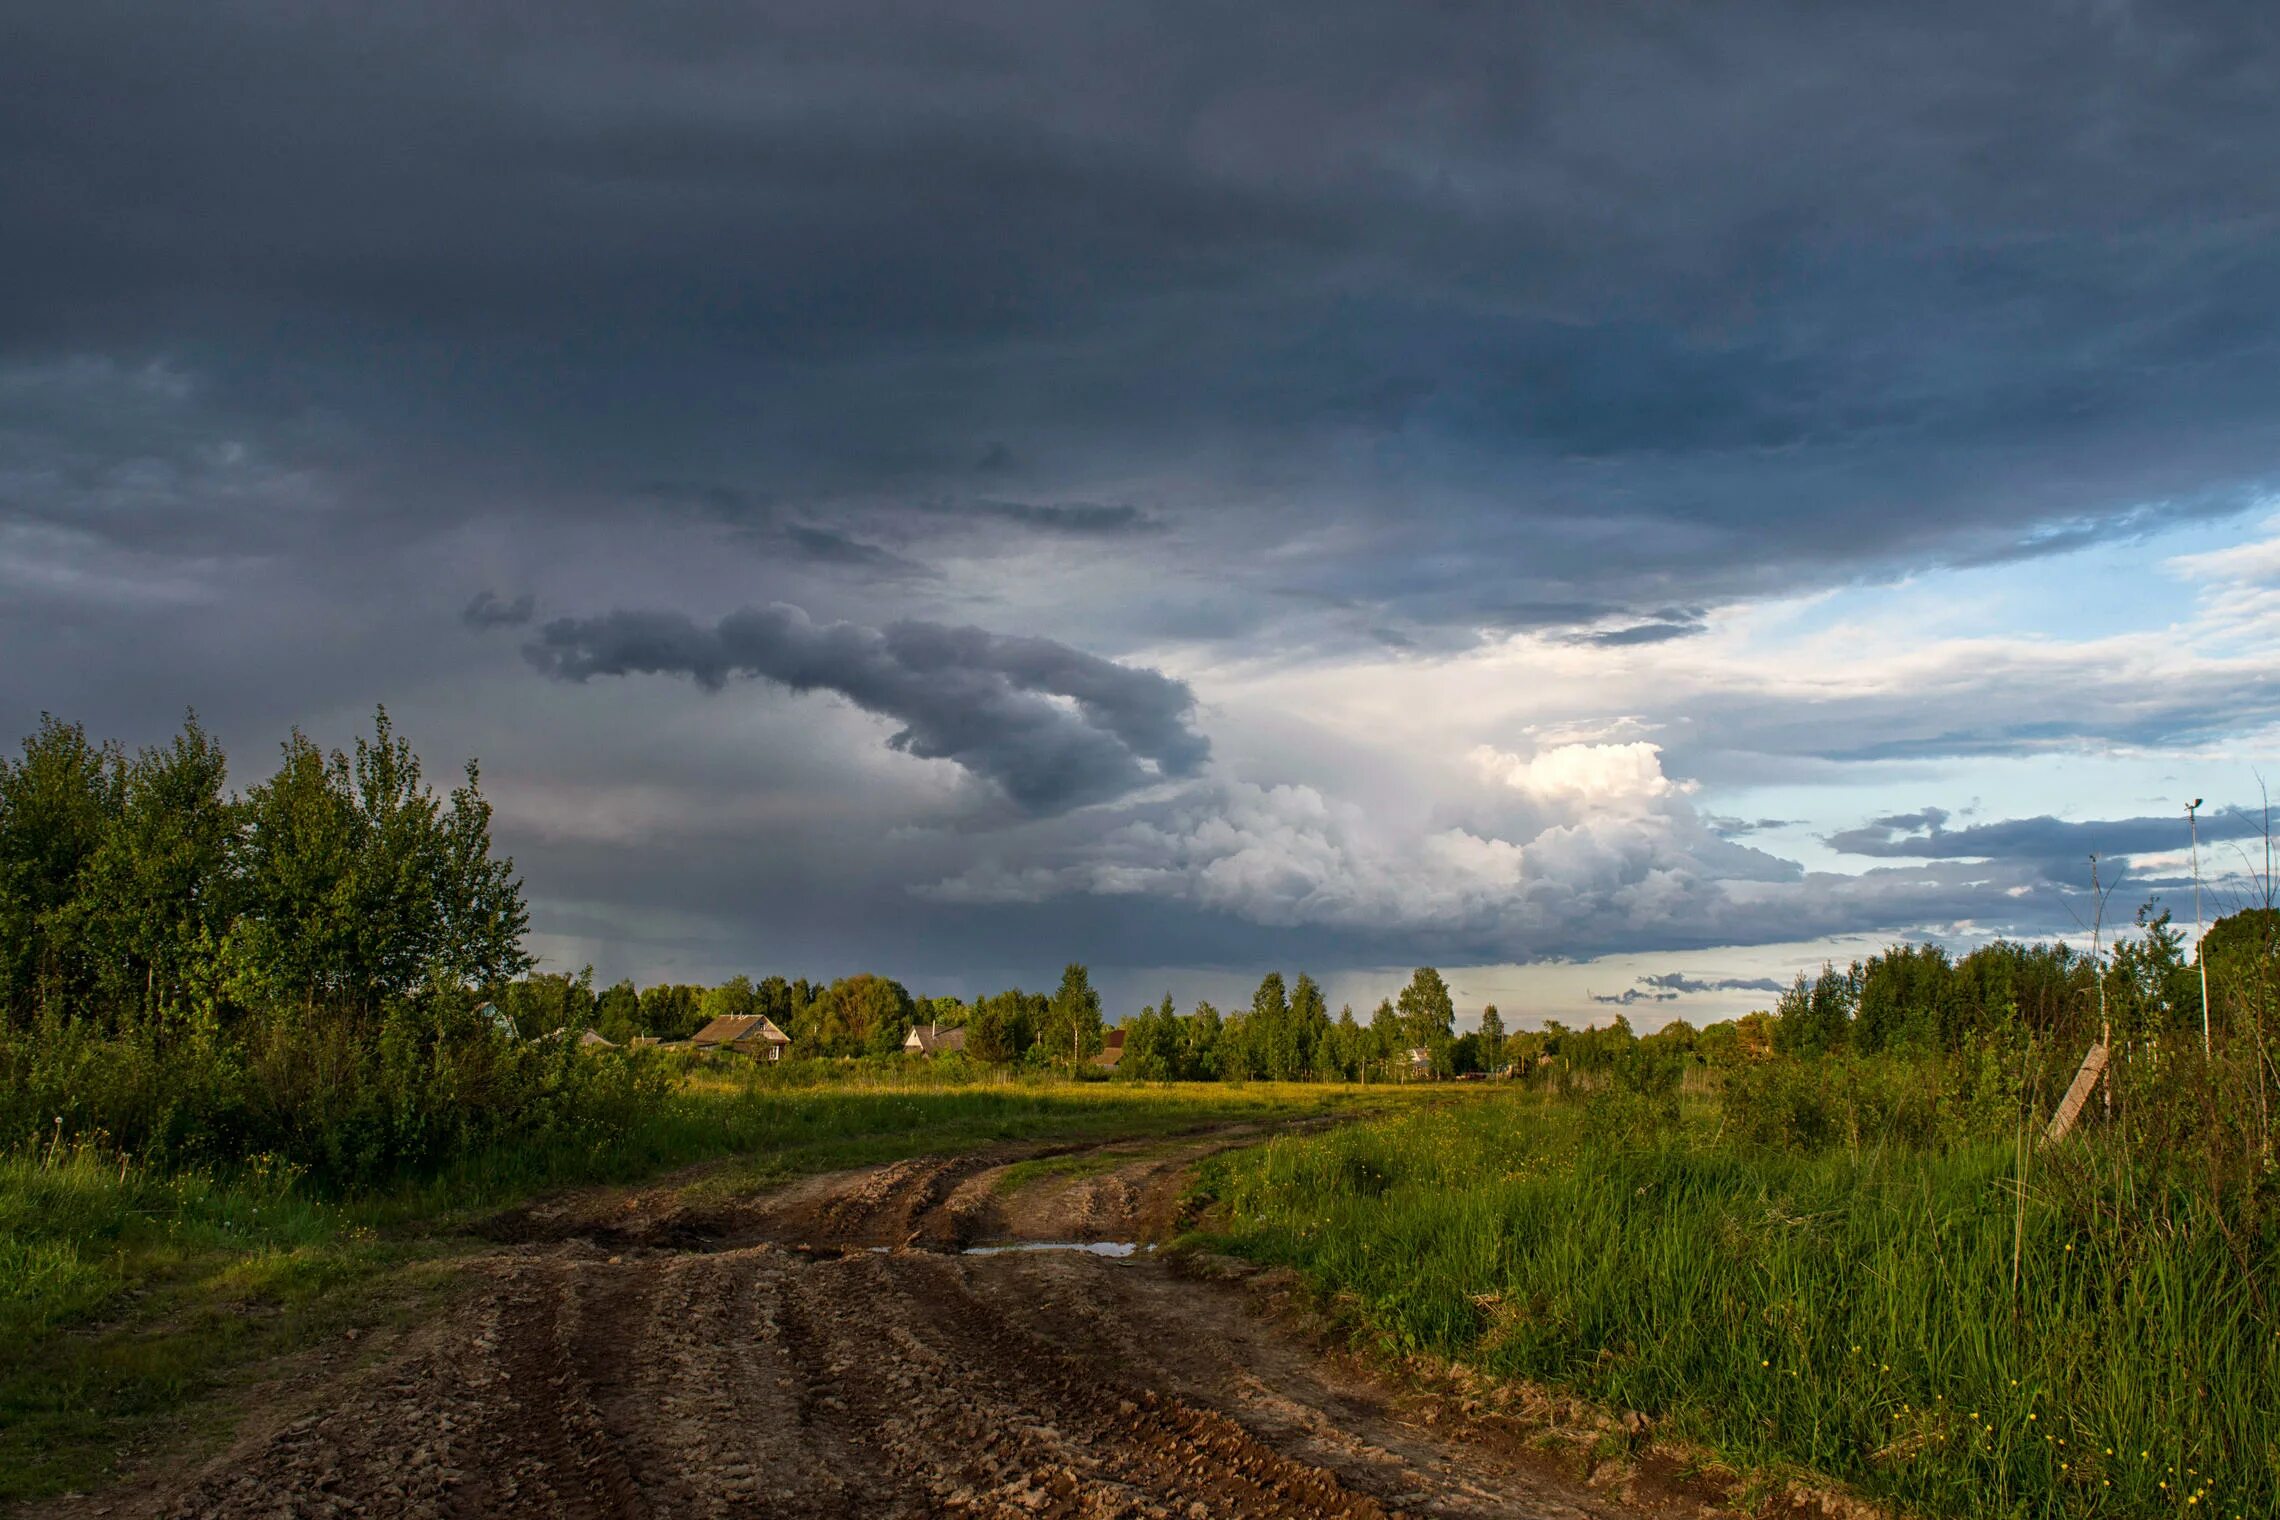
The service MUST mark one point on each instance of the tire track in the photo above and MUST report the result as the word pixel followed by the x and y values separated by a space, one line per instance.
pixel 833 1380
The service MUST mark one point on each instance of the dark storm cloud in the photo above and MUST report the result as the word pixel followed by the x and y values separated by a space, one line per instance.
pixel 1617 304
pixel 980 699
pixel 488 611
pixel 1285 328
pixel 1077 517
pixel 2065 845
pixel 826 547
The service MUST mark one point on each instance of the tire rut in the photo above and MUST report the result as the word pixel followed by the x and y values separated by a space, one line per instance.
pixel 817 1379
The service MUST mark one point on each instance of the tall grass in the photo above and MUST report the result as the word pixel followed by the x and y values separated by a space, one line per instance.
pixel 1850 1311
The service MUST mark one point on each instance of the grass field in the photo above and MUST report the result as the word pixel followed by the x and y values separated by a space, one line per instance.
pixel 1849 1313
pixel 128 1298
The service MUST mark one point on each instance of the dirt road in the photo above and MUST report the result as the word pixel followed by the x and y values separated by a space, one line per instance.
pixel 827 1350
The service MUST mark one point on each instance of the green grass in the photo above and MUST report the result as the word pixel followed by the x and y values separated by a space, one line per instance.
pixel 1851 1314
pixel 130 1302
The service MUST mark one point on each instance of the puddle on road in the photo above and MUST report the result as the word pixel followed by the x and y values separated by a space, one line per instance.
pixel 1089 1247
pixel 1115 1248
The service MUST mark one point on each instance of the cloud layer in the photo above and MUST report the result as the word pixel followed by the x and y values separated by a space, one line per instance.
pixel 1510 482
pixel 1050 725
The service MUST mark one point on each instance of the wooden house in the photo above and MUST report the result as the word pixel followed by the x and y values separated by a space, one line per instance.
pixel 752 1034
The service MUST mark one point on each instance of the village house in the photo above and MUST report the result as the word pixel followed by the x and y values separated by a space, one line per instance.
pixel 934 1040
pixel 752 1034
pixel 1111 1051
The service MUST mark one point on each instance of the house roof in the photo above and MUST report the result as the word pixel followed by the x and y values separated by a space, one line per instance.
pixel 740 1029
pixel 928 1042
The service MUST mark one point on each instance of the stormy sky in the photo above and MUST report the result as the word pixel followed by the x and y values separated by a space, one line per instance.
pixel 1617 500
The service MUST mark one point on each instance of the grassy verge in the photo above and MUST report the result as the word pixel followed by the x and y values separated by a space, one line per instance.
pixel 129 1299
pixel 1849 1313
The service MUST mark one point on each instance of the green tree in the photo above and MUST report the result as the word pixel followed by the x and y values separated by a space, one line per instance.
pixel 1491 1039
pixel 161 889
pixel 617 1013
pixel 1815 1017
pixel 1072 1027
pixel 56 805
pixel 732 999
pixel 1309 1030
pixel 1386 1037
pixel 1152 1050
pixel 993 1031
pixel 1428 1016
pixel 1201 1041
pixel 673 1011
pixel 362 886
pixel 551 1002
pixel 1271 1034
pixel 862 1014
pixel 1349 1047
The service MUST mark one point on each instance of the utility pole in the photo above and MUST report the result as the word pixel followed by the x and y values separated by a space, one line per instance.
pixel 2200 931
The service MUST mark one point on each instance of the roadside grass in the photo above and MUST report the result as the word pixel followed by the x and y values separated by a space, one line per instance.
pixel 130 1299
pixel 1851 1314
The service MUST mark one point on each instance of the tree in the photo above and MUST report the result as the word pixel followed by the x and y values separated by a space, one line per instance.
pixel 1428 1016
pixel 1386 1035
pixel 1072 1019
pixel 550 1002
pixel 1814 1018
pixel 1271 1036
pixel 862 1014
pixel 673 1011
pixel 1152 1050
pixel 1201 1038
pixel 991 1032
pixel 1348 1043
pixel 1309 1029
pixel 161 888
pixel 361 886
pixel 56 804
pixel 732 999
pixel 1491 1039
pixel 617 1013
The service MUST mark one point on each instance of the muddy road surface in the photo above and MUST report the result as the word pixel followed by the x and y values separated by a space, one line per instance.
pixel 851 1346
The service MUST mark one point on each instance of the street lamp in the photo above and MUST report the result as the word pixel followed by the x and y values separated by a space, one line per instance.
pixel 2200 932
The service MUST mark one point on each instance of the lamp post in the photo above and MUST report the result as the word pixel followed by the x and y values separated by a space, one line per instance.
pixel 2200 933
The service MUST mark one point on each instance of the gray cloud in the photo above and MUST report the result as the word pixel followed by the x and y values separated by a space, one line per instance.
pixel 1274 332
pixel 983 700
pixel 1680 982
pixel 827 547
pixel 1670 986
pixel 2066 845
pixel 1076 518
pixel 1594 302
pixel 488 611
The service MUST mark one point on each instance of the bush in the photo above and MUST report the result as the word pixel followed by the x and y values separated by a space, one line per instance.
pixel 348 1101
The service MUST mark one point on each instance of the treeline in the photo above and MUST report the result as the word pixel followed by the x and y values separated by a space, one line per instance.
pixel 1286 1034
pixel 294 971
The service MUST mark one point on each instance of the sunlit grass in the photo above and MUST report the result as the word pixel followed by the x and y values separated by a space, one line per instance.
pixel 1852 1314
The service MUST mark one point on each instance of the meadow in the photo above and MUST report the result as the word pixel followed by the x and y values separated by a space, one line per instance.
pixel 1972 1328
